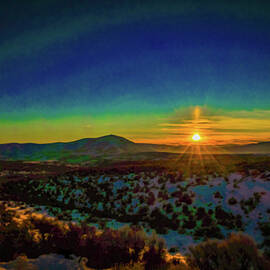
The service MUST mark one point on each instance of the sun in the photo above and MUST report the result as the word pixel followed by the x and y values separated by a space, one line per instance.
pixel 196 137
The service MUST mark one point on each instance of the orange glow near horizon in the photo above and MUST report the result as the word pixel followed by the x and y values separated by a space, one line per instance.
pixel 215 126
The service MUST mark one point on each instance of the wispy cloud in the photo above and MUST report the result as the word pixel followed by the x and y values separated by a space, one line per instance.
pixel 219 126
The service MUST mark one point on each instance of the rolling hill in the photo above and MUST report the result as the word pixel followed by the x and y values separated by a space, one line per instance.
pixel 109 145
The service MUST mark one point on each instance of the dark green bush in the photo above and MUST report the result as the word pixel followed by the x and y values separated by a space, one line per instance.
pixel 238 252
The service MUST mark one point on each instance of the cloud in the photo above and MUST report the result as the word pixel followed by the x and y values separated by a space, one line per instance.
pixel 218 126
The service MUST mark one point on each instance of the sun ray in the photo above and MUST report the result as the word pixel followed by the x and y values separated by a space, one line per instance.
pixel 183 153
pixel 190 161
pixel 201 157
pixel 222 168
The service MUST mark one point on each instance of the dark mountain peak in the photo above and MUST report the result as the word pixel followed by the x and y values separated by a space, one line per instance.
pixel 113 139
pixel 107 138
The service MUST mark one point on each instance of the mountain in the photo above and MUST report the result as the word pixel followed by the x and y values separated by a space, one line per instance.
pixel 54 151
pixel 254 148
pixel 110 145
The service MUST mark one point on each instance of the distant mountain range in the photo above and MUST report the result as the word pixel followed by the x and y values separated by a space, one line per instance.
pixel 111 145
pixel 254 148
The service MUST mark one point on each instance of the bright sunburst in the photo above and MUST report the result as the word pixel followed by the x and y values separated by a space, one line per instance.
pixel 196 137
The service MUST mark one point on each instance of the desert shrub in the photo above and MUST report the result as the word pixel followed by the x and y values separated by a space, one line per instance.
pixel 238 252
pixel 16 238
pixel 154 256
pixel 22 263
pixel 180 267
pixel 114 247
pixel 265 229
pixel 38 235
pixel 137 266
pixel 232 201
pixel 135 238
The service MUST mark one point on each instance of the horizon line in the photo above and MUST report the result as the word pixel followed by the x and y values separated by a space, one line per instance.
pixel 165 144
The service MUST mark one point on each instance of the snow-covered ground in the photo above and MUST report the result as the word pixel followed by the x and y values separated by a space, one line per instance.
pixel 243 196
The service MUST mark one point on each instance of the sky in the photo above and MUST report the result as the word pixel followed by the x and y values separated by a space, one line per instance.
pixel 150 71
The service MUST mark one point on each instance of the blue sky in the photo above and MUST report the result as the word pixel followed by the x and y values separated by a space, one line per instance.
pixel 101 59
